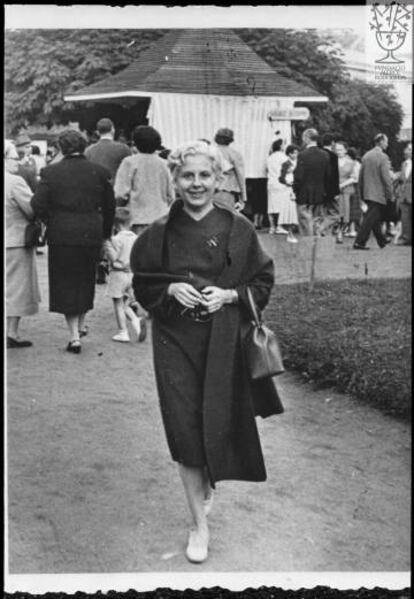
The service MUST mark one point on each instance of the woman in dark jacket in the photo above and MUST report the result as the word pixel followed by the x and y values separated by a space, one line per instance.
pixel 191 270
pixel 75 199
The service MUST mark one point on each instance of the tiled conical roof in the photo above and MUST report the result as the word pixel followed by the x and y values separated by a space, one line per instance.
pixel 199 61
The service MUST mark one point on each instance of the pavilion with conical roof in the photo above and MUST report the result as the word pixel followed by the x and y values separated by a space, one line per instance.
pixel 198 80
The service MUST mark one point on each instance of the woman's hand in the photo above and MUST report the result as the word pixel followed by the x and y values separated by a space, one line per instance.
pixel 185 294
pixel 215 298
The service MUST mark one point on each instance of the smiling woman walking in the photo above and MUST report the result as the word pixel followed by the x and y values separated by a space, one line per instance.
pixel 191 272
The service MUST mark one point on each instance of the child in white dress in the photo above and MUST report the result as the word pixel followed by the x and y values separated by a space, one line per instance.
pixel 117 250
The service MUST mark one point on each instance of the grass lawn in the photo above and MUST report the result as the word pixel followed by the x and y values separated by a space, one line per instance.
pixel 352 335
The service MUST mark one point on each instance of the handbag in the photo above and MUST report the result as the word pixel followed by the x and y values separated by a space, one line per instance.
pixel 261 348
pixel 33 235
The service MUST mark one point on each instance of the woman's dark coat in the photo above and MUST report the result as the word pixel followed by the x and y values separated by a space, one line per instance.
pixel 231 400
pixel 75 199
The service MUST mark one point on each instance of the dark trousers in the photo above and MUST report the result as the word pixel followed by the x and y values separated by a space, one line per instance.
pixel 406 222
pixel 372 222
pixel 329 215
pixel 305 219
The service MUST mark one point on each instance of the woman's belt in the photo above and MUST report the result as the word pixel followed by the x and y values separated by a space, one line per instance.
pixel 197 314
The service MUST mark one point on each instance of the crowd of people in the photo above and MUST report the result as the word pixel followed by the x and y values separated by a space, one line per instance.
pixel 324 188
pixel 170 228
pixel 76 192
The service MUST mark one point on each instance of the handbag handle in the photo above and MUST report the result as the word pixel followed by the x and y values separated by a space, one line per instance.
pixel 253 308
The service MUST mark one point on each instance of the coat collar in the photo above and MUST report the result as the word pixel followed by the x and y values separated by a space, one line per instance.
pixel 234 237
pixel 156 240
pixel 177 206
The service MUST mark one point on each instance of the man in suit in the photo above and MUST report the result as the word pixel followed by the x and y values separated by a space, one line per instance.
pixel 310 183
pixel 405 195
pixel 330 211
pixel 375 188
pixel 109 154
pixel 106 151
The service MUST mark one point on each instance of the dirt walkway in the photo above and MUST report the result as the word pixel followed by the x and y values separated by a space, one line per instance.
pixel 92 487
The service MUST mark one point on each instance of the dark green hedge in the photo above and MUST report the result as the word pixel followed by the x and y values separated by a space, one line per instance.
pixel 354 336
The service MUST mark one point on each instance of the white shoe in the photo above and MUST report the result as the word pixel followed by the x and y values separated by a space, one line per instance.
pixel 122 336
pixel 281 231
pixel 291 238
pixel 272 231
pixel 197 548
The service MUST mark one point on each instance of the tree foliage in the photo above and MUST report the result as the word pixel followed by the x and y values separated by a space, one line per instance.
pixel 356 110
pixel 305 56
pixel 43 64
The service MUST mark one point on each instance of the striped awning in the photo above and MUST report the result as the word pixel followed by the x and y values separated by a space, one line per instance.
pixel 200 80
pixel 184 117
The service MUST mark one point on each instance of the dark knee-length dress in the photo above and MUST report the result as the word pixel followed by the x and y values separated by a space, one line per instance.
pixel 196 248
pixel 75 199
pixel 72 273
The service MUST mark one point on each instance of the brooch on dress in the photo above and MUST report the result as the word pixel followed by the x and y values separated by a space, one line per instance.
pixel 213 241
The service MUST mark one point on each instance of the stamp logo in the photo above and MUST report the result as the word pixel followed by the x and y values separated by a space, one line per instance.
pixel 390 22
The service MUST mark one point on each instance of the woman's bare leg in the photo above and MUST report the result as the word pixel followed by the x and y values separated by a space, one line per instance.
pixel 208 493
pixel 194 485
pixel 73 326
pixel 82 321
pixel 194 481
pixel 13 326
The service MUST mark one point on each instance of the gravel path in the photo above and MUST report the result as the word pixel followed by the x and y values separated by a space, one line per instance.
pixel 91 487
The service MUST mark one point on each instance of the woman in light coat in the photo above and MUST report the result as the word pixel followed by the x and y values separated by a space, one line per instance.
pixel 22 287
pixel 278 194
pixel 231 191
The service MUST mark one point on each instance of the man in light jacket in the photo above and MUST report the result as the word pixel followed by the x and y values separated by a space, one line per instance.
pixel 375 187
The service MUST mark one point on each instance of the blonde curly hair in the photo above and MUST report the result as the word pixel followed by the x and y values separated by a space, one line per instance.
pixel 177 158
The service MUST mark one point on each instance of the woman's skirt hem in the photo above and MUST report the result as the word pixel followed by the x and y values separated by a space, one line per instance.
pixel 23 310
pixel 22 285
pixel 72 273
